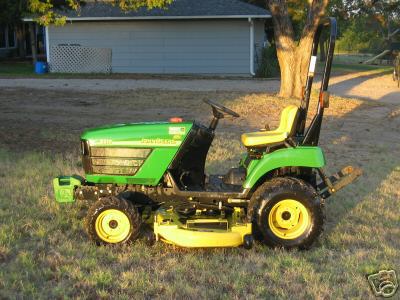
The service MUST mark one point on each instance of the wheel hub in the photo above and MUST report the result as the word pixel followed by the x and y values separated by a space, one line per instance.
pixel 112 226
pixel 286 215
pixel 289 219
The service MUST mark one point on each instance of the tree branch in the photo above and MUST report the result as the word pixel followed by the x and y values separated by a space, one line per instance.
pixel 316 10
pixel 283 28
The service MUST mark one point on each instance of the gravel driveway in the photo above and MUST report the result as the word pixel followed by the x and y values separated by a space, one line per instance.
pixel 367 86
pixel 363 85
pixel 199 85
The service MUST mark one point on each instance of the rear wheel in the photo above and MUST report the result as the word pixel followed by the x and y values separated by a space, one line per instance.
pixel 113 221
pixel 287 212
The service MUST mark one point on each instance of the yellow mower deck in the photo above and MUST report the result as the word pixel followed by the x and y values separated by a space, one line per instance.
pixel 169 229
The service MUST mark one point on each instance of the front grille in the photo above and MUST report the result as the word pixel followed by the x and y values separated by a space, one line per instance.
pixel 113 161
pixel 121 162
pixel 120 152
pixel 113 170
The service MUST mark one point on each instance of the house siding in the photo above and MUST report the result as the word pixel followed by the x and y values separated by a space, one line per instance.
pixel 194 47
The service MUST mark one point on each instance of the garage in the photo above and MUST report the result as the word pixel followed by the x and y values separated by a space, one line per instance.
pixel 188 37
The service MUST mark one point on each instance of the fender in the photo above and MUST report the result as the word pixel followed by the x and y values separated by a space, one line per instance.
pixel 311 157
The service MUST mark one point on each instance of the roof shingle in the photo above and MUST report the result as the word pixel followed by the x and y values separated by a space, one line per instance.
pixel 179 9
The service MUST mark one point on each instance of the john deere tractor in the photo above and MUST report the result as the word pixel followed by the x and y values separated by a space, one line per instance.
pixel 150 177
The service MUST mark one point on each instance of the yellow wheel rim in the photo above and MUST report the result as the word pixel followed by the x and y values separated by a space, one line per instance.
pixel 112 226
pixel 289 219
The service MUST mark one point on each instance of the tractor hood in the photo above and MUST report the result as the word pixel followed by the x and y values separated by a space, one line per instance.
pixel 147 135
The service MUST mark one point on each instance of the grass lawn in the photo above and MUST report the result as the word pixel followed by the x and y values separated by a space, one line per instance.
pixel 45 253
pixel 26 70
pixel 350 68
pixel 16 69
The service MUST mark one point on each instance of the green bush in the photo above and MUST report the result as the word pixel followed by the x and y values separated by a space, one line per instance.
pixel 356 38
pixel 269 66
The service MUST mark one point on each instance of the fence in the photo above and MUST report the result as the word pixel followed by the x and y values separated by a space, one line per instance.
pixel 78 59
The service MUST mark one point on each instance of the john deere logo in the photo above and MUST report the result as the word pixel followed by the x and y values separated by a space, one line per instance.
pixel 384 283
pixel 176 130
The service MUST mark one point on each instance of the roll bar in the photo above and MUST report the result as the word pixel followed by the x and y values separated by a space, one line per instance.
pixel 311 137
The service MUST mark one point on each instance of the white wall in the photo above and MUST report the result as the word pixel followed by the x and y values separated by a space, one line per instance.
pixel 197 47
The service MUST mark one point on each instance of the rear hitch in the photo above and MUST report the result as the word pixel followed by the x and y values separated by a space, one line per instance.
pixel 337 181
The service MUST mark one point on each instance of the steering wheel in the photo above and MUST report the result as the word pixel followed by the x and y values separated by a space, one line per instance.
pixel 219 110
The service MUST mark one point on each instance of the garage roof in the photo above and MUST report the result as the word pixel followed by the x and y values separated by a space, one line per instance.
pixel 179 9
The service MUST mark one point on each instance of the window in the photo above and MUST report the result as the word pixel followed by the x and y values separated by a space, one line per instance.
pixel 11 37
pixel 3 43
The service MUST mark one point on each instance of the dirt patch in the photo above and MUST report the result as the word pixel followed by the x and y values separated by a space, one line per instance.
pixel 368 85
pixel 4 254
pixel 50 120
pixel 182 84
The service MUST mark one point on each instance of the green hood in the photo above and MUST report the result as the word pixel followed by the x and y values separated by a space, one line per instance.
pixel 154 134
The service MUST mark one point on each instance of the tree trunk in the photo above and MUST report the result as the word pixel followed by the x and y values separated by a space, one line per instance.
pixel 32 35
pixel 294 63
pixel 294 57
pixel 287 64
pixel 20 39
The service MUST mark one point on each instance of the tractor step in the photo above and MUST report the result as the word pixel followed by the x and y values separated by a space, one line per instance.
pixel 338 181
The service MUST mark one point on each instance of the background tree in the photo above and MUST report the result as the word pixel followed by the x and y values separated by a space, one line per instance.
pixel 294 53
pixel 11 13
pixel 381 16
pixel 361 35
pixel 385 13
pixel 295 23
pixel 47 12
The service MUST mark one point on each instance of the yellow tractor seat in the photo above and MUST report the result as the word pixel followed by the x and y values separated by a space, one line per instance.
pixel 285 129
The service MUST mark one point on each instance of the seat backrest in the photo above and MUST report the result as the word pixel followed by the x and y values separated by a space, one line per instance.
pixel 288 119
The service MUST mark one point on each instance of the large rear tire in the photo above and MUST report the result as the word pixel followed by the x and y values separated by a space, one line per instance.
pixel 113 220
pixel 287 212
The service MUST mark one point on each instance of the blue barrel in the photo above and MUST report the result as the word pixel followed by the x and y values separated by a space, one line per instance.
pixel 41 67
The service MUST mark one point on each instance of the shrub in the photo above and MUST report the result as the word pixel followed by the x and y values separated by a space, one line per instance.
pixel 269 66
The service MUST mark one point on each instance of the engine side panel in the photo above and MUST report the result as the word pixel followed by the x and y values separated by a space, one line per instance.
pixel 131 153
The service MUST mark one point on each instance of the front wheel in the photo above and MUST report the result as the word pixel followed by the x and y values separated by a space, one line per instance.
pixel 287 212
pixel 113 220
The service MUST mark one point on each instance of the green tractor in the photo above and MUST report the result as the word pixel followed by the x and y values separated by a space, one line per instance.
pixel 149 179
